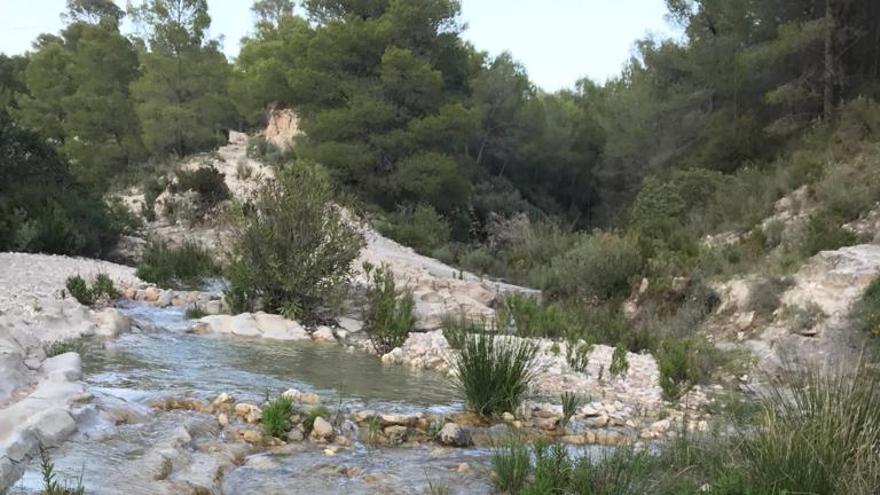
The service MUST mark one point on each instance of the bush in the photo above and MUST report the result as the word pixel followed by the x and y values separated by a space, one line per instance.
pixel 276 416
pixel 102 290
pixel 389 314
pixel 186 266
pixel 866 311
pixel 457 328
pixel 292 246
pixel 577 355
pixel 494 373
pixel 803 318
pixel 851 188
pixel 823 232
pixel 683 364
pixel 79 289
pixel 43 209
pixel 423 229
pixel 534 319
pixel 208 183
pixel 599 266
pixel 152 187
pixel 765 294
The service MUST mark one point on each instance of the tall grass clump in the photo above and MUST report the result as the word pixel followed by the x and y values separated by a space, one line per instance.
pixel 186 266
pixel 550 469
pixel 276 416
pixel 819 432
pixel 389 315
pixel 494 372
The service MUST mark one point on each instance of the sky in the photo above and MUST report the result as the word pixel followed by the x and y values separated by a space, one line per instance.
pixel 558 41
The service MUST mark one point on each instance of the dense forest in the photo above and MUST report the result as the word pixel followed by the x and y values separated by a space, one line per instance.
pixel 420 125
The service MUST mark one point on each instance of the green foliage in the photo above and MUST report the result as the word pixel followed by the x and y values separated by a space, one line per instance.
pixel 600 266
pixel 824 232
pixel 209 183
pixel 850 188
pixel 577 355
pixel 276 416
pixel 803 318
pixel 51 485
pixel 865 314
pixel 64 346
pixel 619 363
pixel 79 289
pixel 683 364
pixel 291 245
pixel 43 208
pixel 195 312
pixel 817 434
pixel 423 229
pixel 511 464
pixel 457 328
pixel 102 289
pixel 389 316
pixel 494 372
pixel 533 318
pixel 186 266
pixel 570 403
pixel 313 414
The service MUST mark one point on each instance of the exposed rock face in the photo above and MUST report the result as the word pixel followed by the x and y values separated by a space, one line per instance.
pixel 282 128
pixel 832 281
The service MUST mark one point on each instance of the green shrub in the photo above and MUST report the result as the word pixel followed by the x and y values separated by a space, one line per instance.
pixel 208 182
pixel 765 294
pixel 79 289
pixel 482 262
pixel 851 188
pixel 599 266
pixel 823 232
pixel 313 414
pixel 43 208
pixel 494 373
pixel 683 364
pixel 532 318
pixel 866 311
pixel 389 314
pixel 64 346
pixel 292 246
pixel 186 266
pixel 276 416
pixel 195 312
pixel 423 229
pixel 103 287
pixel 619 363
pixel 457 328
pixel 577 355
pixel 152 187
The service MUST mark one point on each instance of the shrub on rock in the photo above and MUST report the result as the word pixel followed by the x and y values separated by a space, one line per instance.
pixel 291 248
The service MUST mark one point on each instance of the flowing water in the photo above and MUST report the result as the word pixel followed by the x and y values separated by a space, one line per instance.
pixel 163 360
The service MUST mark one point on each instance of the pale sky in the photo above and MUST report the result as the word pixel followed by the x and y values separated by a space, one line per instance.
pixel 558 41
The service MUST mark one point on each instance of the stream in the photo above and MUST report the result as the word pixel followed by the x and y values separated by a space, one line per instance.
pixel 162 360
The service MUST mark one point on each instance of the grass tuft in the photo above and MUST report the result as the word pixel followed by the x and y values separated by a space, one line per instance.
pixel 276 416
pixel 494 372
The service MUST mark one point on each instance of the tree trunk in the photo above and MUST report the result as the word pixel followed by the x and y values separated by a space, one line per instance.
pixel 828 99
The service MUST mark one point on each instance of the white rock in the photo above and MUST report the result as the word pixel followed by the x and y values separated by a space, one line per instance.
pixel 454 435
pixel 324 334
pixel 321 429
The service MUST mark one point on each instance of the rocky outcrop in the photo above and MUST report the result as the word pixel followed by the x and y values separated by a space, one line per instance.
pixel 256 325
pixel 830 282
pixel 282 128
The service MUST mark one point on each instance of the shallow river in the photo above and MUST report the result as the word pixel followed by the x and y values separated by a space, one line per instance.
pixel 163 360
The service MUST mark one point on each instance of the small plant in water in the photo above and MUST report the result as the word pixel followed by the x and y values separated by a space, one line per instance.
pixel 619 363
pixel 511 463
pixel 51 485
pixel 276 416
pixel 570 403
